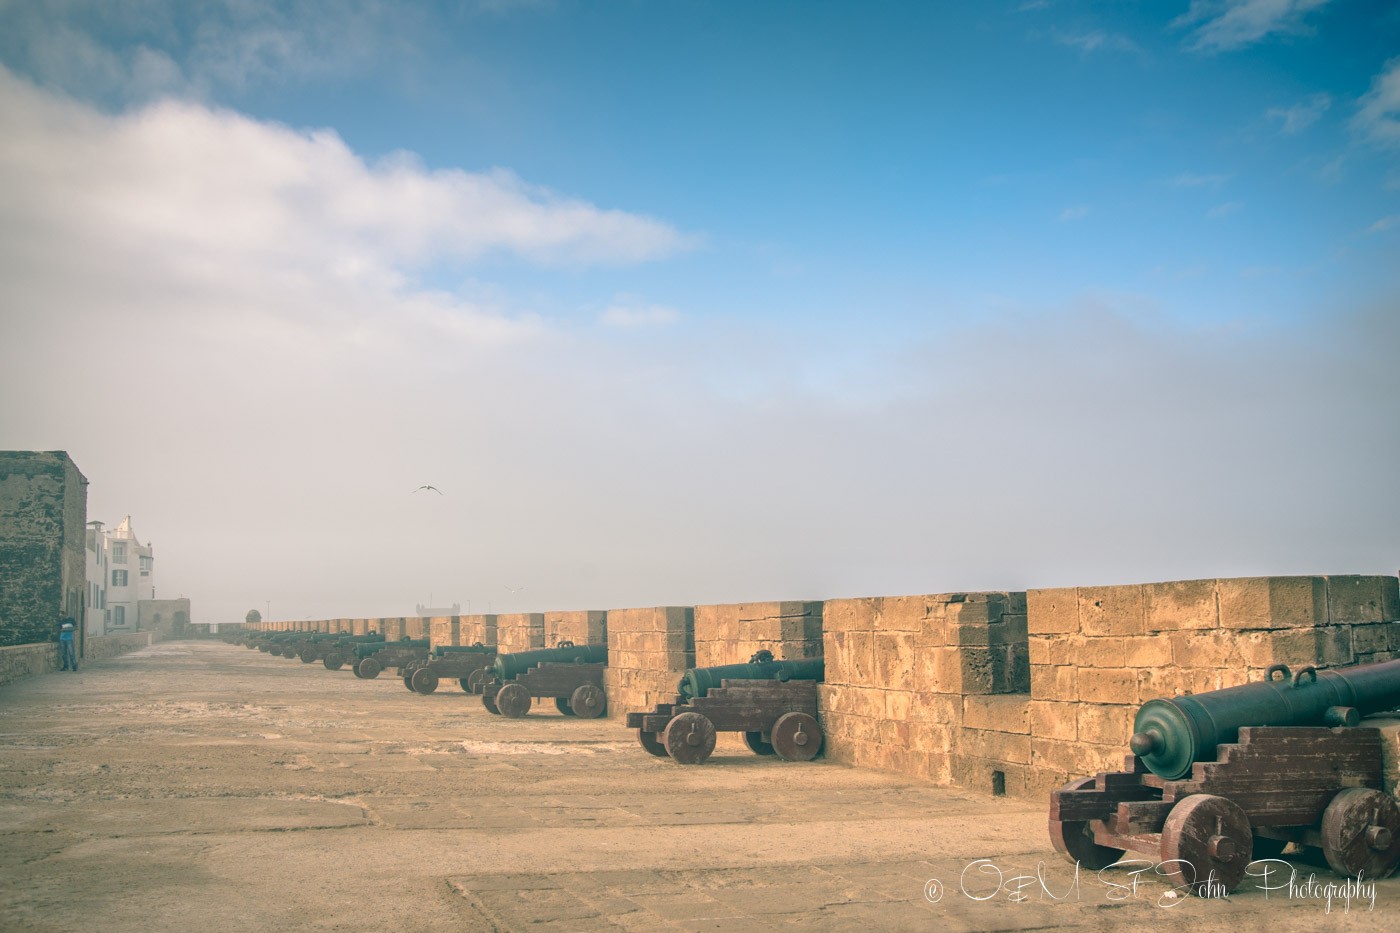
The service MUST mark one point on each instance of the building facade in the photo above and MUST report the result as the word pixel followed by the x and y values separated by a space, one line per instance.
pixel 43 566
pixel 130 577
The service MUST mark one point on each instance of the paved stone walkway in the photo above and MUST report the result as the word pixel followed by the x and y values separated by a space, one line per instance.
pixel 201 786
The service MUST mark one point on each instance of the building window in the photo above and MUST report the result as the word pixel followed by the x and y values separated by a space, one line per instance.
pixel 119 578
pixel 118 615
pixel 118 552
pixel 145 566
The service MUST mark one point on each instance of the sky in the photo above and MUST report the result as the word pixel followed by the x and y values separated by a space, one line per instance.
pixel 690 302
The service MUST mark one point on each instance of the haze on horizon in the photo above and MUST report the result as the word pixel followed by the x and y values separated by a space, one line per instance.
pixel 698 302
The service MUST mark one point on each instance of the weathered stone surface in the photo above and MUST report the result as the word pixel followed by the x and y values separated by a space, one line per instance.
pixel 43 535
pixel 1050 612
pixel 1273 602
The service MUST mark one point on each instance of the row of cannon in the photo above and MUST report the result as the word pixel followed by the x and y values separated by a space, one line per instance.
pixel 1214 782
pixel 772 702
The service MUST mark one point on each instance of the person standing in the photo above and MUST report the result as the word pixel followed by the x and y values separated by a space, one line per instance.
pixel 65 643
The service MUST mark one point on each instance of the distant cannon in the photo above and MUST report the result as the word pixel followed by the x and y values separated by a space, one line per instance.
pixel 773 703
pixel 467 664
pixel 1225 777
pixel 571 675
pixel 391 654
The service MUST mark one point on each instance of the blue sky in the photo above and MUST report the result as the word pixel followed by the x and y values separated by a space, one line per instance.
pixel 733 230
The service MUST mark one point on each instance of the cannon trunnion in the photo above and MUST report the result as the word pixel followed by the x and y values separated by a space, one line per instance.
pixel 1286 764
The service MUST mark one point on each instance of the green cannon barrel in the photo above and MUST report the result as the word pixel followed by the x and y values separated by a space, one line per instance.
pixel 1171 735
pixel 698 681
pixel 513 665
pixel 442 650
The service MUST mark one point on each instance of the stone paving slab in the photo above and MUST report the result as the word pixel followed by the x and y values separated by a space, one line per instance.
pixel 204 786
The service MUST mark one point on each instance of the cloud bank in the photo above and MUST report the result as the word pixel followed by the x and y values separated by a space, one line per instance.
pixel 225 323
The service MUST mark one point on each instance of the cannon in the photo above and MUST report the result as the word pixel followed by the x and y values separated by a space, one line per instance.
pixel 467 664
pixel 1223 778
pixel 345 650
pixel 773 703
pixel 571 675
pixel 389 654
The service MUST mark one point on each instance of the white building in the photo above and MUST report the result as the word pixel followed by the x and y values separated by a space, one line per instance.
pixel 121 574
pixel 95 606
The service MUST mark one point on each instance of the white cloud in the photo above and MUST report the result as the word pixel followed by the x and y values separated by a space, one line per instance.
pixel 1384 224
pixel 1096 40
pixel 1379 115
pixel 628 315
pixel 1224 210
pixel 192 183
pixel 158 47
pixel 1301 115
pixel 1223 25
pixel 1074 213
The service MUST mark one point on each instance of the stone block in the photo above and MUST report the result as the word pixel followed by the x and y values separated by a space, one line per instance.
pixel 979 609
pixel 1215 649
pixel 849 615
pixel 1051 612
pixel 1106 725
pixel 1051 720
pixel 1355 599
pixel 998 746
pixel 898 705
pixel 893 655
pixel 1368 639
pixel 1004 713
pixel 1181 604
pixel 1390 598
pixel 1272 602
pixel 1147 651
pixel 1101 652
pixel 1040 649
pixel 931 737
pixel 1107 685
pixel 901 614
pixel 1055 683
pixel 1112 610
pixel 1334 646
pixel 937 708
pixel 1055 755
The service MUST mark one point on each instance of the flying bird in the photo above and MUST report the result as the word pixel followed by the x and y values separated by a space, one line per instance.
pixel 433 488
pixel 515 589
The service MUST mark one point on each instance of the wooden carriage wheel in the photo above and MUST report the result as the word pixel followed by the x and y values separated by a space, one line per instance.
pixel 796 737
pixel 1206 845
pixel 588 701
pixel 474 681
pixel 424 680
pixel 1074 839
pixel 368 668
pixel 562 704
pixel 1361 833
pixel 513 701
pixel 689 738
pixel 651 741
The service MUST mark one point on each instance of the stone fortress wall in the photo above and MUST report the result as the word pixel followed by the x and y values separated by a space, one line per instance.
pixel 1004 692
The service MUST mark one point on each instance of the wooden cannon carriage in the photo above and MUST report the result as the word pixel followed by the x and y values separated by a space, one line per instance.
pixel 467 664
pixel 1204 794
pixel 773 703
pixel 571 675
pixel 394 654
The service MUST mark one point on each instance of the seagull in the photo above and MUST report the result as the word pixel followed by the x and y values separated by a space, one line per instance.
pixel 433 488
pixel 515 589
